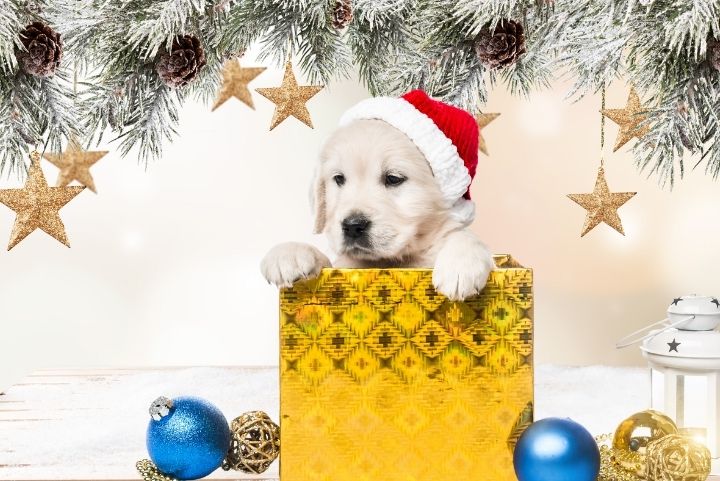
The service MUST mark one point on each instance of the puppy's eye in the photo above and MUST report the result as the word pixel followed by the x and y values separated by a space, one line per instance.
pixel 392 180
pixel 339 179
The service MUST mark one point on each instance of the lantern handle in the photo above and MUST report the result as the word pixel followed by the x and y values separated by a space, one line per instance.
pixel 631 339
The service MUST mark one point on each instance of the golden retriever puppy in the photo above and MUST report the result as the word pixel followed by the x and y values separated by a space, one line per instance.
pixel 379 201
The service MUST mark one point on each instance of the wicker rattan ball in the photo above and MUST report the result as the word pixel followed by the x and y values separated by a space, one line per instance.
pixel 677 458
pixel 255 443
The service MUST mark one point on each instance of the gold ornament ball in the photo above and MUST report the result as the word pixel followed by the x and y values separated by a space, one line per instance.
pixel 255 443
pixel 677 458
pixel 633 436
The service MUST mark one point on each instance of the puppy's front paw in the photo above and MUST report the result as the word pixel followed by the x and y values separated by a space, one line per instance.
pixel 292 261
pixel 459 275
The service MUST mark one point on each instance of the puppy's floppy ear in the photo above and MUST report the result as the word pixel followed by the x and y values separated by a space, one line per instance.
pixel 317 200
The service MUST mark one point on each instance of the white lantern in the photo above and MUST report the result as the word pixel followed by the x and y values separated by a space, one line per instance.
pixel 683 352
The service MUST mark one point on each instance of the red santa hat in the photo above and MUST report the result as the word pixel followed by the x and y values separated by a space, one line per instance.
pixel 446 135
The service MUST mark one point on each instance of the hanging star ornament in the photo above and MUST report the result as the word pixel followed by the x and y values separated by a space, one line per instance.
pixel 602 205
pixel 630 120
pixel 483 120
pixel 74 164
pixel 290 98
pixel 235 83
pixel 37 205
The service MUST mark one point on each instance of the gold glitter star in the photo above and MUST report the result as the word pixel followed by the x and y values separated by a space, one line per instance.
pixel 290 98
pixel 482 121
pixel 235 83
pixel 628 119
pixel 602 205
pixel 74 164
pixel 37 205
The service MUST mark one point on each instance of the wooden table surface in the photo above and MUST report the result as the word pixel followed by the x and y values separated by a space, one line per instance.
pixel 61 425
pixel 90 425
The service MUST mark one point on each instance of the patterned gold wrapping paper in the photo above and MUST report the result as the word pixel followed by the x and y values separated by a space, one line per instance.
pixel 382 378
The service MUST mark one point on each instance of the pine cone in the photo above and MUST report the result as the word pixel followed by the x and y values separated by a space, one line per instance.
pixel 501 47
pixel 713 53
pixel 42 50
pixel 342 14
pixel 182 63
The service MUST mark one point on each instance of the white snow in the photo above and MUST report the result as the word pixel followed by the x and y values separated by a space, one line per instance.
pixel 93 426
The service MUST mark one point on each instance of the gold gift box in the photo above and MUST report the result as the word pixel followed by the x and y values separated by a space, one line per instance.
pixel 382 378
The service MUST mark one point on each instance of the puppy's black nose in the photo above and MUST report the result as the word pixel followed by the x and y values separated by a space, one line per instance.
pixel 355 226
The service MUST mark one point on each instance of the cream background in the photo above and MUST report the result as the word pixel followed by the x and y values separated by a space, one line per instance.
pixel 164 264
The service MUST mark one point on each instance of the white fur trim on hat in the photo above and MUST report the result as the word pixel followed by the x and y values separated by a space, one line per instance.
pixel 448 167
pixel 463 211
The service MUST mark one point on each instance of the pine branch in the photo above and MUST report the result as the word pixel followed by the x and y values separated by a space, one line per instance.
pixel 60 120
pixel 531 72
pixel 662 48
pixel 686 29
pixel 156 23
pixel 9 26
pixel 82 25
pixel 14 138
pixel 322 53
pixel 378 33
pixel 659 149
pixel 590 45
pixel 149 126
pixel 36 111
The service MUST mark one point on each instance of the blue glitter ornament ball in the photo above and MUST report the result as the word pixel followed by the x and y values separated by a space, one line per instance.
pixel 556 449
pixel 187 437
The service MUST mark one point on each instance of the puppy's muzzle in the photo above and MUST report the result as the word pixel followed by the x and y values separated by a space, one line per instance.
pixel 355 229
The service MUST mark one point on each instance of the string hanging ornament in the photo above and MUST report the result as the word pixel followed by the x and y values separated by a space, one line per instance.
pixel 75 162
pixel 601 204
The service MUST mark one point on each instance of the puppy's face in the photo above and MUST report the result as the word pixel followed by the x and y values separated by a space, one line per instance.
pixel 375 195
